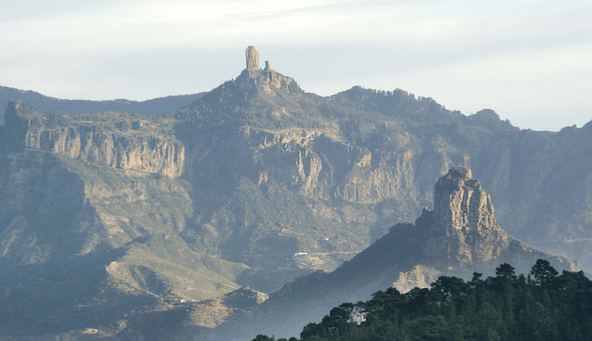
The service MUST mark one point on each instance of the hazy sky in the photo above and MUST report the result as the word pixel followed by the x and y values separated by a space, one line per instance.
pixel 530 61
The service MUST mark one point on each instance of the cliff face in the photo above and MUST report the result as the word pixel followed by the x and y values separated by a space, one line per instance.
pixel 126 146
pixel 139 152
pixel 318 164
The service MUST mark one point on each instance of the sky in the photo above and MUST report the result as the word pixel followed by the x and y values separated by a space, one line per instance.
pixel 530 61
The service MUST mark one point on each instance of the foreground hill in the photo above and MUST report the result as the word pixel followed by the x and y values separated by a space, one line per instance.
pixel 546 306
pixel 255 183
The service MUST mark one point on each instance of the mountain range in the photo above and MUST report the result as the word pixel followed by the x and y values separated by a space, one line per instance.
pixel 125 225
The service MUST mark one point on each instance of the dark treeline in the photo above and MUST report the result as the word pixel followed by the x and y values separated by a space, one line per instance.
pixel 544 306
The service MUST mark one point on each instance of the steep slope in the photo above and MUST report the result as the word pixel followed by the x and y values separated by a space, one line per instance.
pixel 458 237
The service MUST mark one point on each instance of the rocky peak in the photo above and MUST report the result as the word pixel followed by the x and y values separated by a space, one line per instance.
pixel 268 79
pixel 464 229
pixel 459 201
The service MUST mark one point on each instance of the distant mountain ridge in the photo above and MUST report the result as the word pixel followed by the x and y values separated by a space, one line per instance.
pixel 156 106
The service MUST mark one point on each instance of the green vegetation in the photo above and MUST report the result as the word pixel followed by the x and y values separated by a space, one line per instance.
pixel 547 306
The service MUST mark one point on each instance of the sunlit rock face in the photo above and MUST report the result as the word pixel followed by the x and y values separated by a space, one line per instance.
pixel 125 145
pixel 465 230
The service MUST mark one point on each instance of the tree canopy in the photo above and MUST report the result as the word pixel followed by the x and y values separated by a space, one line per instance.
pixel 504 307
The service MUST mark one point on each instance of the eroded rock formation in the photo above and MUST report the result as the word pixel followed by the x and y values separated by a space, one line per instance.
pixel 465 230
pixel 269 80
pixel 252 58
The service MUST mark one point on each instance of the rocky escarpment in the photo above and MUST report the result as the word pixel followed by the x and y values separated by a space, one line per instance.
pixel 127 144
pixel 318 164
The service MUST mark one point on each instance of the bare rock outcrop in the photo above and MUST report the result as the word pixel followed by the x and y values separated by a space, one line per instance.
pixel 128 145
pixel 465 233
pixel 252 58
pixel 465 230
pixel 244 298
pixel 268 80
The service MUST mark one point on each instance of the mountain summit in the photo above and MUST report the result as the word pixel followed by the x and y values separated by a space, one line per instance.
pixel 268 78
pixel 459 236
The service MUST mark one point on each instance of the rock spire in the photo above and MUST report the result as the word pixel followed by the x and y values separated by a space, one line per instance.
pixel 266 79
pixel 252 58
pixel 464 229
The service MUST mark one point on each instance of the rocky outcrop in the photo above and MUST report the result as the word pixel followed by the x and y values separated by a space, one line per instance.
pixel 465 230
pixel 269 81
pixel 465 233
pixel 244 298
pixel 252 58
